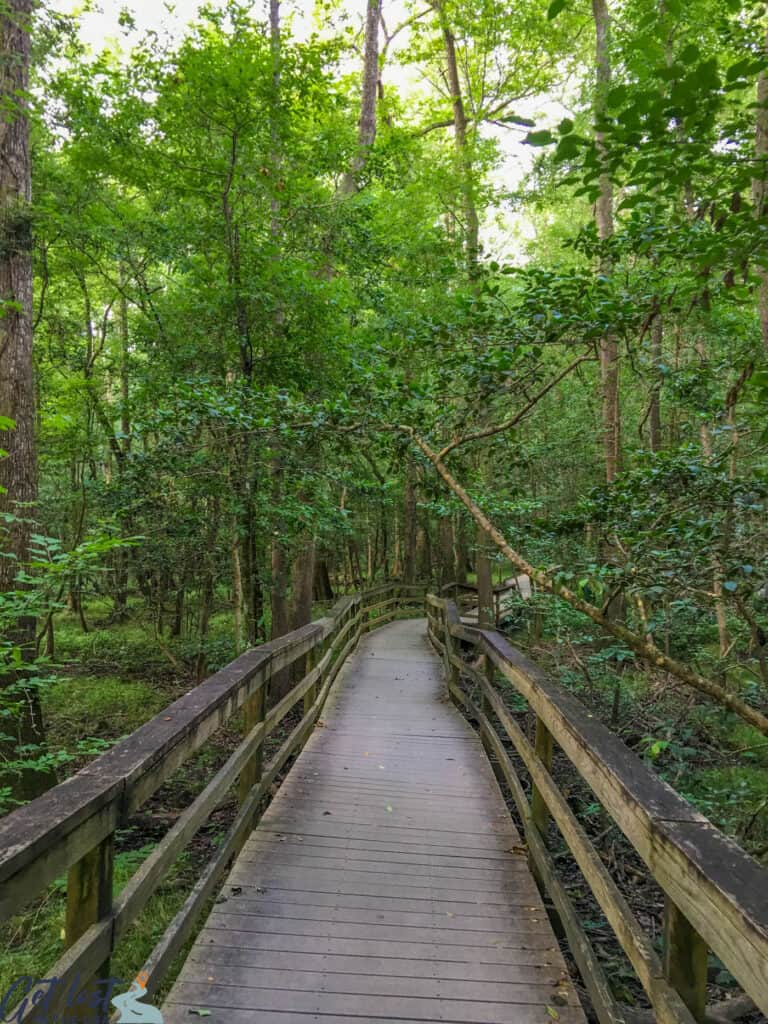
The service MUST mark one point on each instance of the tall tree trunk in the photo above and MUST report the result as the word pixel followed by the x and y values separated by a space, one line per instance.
pixel 279 588
pixel 609 351
pixel 207 590
pixel 717 582
pixel 485 611
pixel 460 555
pixel 238 592
pixel 423 553
pixel 446 571
pixel 760 188
pixel 410 525
pixel 302 578
pixel 366 126
pixel 654 414
pixel 322 587
pixel 463 150
pixel 397 567
pixel 18 470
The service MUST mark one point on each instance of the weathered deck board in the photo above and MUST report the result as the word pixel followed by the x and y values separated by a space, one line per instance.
pixel 386 882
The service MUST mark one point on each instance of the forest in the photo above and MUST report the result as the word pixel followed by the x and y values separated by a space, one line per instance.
pixel 296 302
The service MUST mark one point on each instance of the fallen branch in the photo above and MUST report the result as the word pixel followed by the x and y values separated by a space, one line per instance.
pixel 643 648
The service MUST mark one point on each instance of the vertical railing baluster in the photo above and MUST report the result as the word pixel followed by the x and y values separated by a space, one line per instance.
pixel 544 745
pixel 254 709
pixel 686 958
pixel 89 899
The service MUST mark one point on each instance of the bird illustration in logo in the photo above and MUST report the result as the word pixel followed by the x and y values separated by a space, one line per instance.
pixel 131 1010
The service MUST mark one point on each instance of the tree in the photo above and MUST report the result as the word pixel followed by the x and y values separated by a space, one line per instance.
pixel 18 466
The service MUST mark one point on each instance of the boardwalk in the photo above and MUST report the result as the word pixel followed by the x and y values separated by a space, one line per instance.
pixel 386 882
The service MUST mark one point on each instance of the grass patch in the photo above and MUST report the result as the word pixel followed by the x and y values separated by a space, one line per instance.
pixel 34 940
pixel 107 707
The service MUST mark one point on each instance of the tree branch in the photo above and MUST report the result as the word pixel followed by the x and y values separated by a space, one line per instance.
pixel 514 420
pixel 643 648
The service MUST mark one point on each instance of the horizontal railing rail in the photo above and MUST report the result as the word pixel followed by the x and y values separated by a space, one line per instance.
pixel 71 828
pixel 716 896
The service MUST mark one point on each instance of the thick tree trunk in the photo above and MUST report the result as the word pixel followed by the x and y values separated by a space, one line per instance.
pixel 18 470
pixel 366 128
pixel 302 578
pixel 609 351
pixel 460 553
pixel 323 590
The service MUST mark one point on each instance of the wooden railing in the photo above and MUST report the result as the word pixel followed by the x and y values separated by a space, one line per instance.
pixel 467 595
pixel 71 828
pixel 716 896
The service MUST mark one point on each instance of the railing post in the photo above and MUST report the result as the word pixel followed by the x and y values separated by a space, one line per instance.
pixel 686 959
pixel 313 658
pixel 89 894
pixel 253 713
pixel 452 676
pixel 544 746
pixel 489 670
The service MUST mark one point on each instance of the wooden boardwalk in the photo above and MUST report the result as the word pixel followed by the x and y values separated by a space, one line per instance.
pixel 386 882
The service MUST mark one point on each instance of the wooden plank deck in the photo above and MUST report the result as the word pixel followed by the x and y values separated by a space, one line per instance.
pixel 386 882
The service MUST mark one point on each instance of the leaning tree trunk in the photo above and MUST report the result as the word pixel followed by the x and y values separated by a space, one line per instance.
pixel 18 470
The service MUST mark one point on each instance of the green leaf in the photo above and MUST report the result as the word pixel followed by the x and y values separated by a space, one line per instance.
pixel 566 126
pixel 555 8
pixel 540 138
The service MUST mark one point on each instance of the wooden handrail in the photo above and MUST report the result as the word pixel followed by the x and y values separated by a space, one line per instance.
pixel 716 894
pixel 71 828
pixel 472 588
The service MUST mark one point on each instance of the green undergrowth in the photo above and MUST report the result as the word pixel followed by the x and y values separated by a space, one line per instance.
pixel 709 755
pixel 34 940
